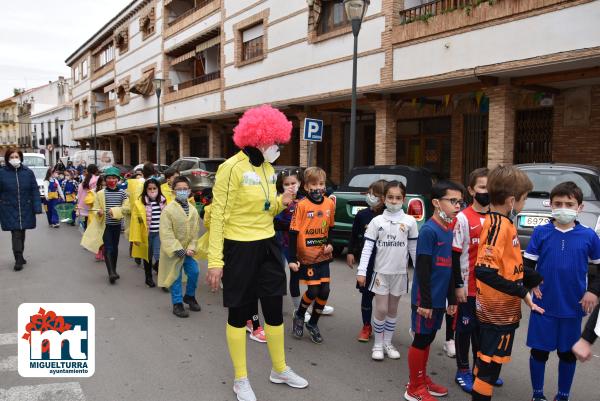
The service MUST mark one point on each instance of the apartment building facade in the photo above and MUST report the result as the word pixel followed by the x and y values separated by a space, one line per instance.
pixel 9 125
pixel 447 84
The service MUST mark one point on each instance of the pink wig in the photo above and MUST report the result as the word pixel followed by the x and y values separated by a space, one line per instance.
pixel 262 126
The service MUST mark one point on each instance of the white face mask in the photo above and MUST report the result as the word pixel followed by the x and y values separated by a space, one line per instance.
pixel 371 200
pixel 564 216
pixel 393 208
pixel 15 162
pixel 294 188
pixel 271 153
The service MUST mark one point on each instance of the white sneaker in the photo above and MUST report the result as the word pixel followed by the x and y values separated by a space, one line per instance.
pixel 450 349
pixel 243 390
pixel 391 351
pixel 377 353
pixel 289 377
pixel 327 310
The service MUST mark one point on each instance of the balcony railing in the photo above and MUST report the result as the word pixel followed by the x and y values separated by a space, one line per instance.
pixel 196 81
pixel 438 7
pixel 199 5
pixel 105 111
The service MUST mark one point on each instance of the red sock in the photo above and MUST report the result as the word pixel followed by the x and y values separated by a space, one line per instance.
pixel 417 359
pixel 426 360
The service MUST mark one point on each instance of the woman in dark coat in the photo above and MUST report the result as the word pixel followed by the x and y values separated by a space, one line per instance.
pixel 19 201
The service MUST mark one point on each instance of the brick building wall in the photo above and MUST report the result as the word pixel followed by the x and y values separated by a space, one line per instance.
pixel 580 144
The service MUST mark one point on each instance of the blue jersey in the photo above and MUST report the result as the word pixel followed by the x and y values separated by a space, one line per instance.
pixel 562 259
pixel 435 241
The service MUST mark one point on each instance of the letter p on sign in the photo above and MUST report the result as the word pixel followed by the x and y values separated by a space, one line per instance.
pixel 313 130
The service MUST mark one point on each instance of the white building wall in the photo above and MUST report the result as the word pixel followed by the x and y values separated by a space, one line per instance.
pixel 559 31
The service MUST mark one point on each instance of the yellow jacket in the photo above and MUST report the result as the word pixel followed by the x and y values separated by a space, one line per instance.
pixel 177 231
pixel 89 200
pixel 92 238
pixel 203 241
pixel 167 192
pixel 238 213
pixel 138 230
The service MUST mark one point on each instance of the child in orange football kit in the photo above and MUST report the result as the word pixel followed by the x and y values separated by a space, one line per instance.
pixel 310 250
pixel 502 280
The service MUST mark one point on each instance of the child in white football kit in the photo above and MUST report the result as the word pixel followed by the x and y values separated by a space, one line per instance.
pixel 393 236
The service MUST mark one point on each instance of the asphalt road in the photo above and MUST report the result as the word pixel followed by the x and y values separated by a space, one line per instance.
pixel 144 352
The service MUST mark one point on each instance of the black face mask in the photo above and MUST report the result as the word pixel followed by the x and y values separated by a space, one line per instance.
pixel 482 198
pixel 316 195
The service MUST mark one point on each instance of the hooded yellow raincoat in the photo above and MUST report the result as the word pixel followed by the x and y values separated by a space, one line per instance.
pixel 92 238
pixel 167 192
pixel 177 231
pixel 138 230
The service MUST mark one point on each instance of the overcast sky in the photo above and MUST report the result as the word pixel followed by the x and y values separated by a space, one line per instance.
pixel 38 36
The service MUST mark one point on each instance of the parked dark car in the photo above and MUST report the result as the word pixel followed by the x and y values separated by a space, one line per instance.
pixel 200 171
pixel 350 197
pixel 546 176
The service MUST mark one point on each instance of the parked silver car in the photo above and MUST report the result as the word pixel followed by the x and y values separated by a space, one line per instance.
pixel 200 171
pixel 546 176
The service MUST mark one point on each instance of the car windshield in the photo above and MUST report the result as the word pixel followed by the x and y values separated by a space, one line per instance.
pixel 40 173
pixel 33 161
pixel 211 165
pixel 364 180
pixel 545 180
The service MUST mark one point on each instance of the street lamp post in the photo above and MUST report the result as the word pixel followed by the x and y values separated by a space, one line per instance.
pixel 62 142
pixel 355 10
pixel 93 108
pixel 158 88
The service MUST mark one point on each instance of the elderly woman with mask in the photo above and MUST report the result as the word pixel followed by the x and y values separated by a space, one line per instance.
pixel 19 202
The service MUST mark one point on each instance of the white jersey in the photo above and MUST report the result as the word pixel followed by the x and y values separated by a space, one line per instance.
pixel 395 238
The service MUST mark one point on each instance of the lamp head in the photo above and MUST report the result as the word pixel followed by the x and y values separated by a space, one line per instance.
pixel 356 9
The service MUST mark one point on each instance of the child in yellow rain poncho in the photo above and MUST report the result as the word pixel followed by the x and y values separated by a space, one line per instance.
pixel 105 229
pixel 165 188
pixel 90 198
pixel 144 229
pixel 179 228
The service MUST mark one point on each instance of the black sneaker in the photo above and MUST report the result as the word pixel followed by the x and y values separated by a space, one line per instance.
pixel 542 398
pixel 179 311
pixel 315 333
pixel 192 303
pixel 18 266
pixel 298 326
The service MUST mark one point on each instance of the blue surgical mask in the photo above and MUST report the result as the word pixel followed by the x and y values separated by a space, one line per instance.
pixel 564 216
pixel 182 194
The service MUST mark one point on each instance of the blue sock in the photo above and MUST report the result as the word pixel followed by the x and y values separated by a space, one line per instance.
pixel 566 373
pixel 537 370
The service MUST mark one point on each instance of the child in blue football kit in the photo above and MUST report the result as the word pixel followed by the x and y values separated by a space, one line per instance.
pixel 432 288
pixel 560 251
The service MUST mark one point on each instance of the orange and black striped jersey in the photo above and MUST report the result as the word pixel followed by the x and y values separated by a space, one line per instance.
pixel 499 253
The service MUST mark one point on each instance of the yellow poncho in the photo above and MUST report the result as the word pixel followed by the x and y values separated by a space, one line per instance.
pixel 92 238
pixel 177 231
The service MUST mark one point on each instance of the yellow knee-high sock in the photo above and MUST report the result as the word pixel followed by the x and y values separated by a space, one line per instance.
pixel 236 341
pixel 275 338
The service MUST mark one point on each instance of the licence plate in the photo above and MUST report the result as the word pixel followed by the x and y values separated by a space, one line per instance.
pixel 356 209
pixel 533 221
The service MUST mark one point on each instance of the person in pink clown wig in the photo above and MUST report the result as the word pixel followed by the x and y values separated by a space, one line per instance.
pixel 243 252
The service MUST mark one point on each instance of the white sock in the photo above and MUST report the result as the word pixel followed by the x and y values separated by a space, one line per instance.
pixel 296 302
pixel 390 327
pixel 378 329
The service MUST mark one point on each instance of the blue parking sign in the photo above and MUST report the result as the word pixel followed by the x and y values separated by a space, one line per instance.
pixel 313 130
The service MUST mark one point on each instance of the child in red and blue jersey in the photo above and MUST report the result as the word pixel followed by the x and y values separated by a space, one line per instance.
pixel 433 286
pixel 560 251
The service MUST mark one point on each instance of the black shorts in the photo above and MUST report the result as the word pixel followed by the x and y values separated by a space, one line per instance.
pixel 252 270
pixel 496 343
pixel 466 317
pixel 315 274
